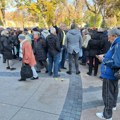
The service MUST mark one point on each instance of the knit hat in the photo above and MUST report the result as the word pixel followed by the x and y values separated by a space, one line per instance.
pixel 21 37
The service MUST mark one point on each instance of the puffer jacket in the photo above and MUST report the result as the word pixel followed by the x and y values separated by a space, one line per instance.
pixel 110 61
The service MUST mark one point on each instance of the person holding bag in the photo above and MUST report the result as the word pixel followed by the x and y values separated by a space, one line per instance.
pixel 28 58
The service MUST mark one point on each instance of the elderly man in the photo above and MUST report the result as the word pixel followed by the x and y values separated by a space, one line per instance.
pixel 73 44
pixel 110 62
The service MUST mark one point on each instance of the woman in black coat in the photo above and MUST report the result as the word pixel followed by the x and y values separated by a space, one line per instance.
pixel 94 47
pixel 7 49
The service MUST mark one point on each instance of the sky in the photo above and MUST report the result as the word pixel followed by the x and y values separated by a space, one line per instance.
pixel 13 9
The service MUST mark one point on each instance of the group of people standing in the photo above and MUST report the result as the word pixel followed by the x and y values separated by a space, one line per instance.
pixel 50 49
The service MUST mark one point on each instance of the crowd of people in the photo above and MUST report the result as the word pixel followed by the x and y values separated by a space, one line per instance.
pixel 50 48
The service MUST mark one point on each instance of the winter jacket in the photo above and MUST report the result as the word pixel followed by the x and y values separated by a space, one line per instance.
pixel 28 56
pixel 110 61
pixel 53 44
pixel 40 49
pixel 93 47
pixel 73 41
pixel 7 47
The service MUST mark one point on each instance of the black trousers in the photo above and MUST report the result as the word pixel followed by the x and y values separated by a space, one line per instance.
pixel 93 60
pixel 74 56
pixel 109 94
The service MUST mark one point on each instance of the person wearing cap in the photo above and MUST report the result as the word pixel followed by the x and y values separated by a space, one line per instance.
pixel 26 53
pixel 110 82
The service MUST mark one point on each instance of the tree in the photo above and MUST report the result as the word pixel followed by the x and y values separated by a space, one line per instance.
pixel 95 9
pixel 2 11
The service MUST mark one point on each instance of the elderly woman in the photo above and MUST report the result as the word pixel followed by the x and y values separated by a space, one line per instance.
pixel 110 61
pixel 26 53
pixel 7 49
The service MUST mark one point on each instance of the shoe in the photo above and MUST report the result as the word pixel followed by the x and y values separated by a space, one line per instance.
pixel 12 69
pixel 33 78
pixel 95 74
pixel 21 79
pixel 89 73
pixel 77 73
pixel 63 68
pixel 83 64
pixel 59 70
pixel 38 71
pixel 4 61
pixel 68 72
pixel 50 74
pixel 8 68
pixel 114 108
pixel 56 76
pixel 100 115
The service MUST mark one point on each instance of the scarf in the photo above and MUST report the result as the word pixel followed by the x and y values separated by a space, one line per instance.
pixel 21 51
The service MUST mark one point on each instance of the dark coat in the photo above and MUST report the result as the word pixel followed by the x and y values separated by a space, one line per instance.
pixel 94 47
pixel 40 49
pixel 7 47
pixel 53 44
pixel 105 44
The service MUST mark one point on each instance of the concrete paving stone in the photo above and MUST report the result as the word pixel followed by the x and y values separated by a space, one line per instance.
pixel 27 114
pixel 17 93
pixel 7 111
pixel 50 97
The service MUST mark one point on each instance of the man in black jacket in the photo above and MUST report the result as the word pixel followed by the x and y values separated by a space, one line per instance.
pixel 53 47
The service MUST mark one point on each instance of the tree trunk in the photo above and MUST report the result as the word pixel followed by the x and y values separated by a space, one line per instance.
pixel 2 13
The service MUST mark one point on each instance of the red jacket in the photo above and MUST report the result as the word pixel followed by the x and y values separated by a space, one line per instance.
pixel 28 56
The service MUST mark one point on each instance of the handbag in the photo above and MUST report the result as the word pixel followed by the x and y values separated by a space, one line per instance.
pixel 26 71
pixel 117 74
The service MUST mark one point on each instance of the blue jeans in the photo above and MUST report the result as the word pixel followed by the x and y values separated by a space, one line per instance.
pixel 53 60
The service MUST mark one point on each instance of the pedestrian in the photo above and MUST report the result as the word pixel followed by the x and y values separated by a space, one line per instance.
pixel 40 51
pixel 110 62
pixel 86 39
pixel 94 48
pixel 7 49
pixel 26 53
pixel 73 44
pixel 53 48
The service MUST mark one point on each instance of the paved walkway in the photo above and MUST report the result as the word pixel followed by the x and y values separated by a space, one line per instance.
pixel 67 98
pixel 43 99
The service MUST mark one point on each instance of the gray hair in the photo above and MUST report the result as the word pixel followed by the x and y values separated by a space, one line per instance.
pixel 114 31
pixel 52 30
pixel 36 33
pixel 85 31
pixel 5 33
